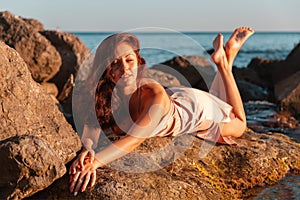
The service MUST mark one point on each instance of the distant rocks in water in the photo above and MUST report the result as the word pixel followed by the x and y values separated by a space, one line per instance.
pixel 287 92
pixel 165 79
pixel 195 71
pixel 281 79
pixel 251 92
pixel 36 141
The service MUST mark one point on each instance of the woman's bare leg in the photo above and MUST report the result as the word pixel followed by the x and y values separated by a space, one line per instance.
pixel 217 87
pixel 233 45
pixel 237 126
pixel 235 42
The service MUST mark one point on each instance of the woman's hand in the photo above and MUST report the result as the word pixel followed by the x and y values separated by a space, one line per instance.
pixel 84 157
pixel 82 178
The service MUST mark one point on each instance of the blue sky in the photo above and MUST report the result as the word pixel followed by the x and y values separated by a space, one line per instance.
pixel 181 15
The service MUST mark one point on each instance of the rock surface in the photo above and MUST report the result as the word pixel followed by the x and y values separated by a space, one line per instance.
pixel 279 78
pixel 26 109
pixel 72 52
pixel 165 79
pixel 250 91
pixel 30 165
pixel 41 57
pixel 226 172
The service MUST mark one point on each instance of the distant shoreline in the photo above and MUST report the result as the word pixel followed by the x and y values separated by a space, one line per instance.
pixel 184 32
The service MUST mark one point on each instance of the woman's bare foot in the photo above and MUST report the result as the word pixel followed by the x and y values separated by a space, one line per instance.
pixel 219 56
pixel 235 42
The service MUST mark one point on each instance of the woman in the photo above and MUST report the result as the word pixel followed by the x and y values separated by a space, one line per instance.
pixel 125 102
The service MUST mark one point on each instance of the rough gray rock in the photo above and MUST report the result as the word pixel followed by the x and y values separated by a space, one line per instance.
pixel 30 165
pixel 195 71
pixel 26 109
pixel 250 91
pixel 227 172
pixel 42 59
pixel 165 79
pixel 72 52
pixel 282 78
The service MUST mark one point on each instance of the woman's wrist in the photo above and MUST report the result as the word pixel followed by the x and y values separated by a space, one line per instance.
pixel 88 143
pixel 97 163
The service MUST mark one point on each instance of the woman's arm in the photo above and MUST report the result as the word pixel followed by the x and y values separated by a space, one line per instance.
pixel 156 103
pixel 90 137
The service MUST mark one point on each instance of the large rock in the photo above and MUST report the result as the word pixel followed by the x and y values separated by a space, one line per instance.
pixel 274 71
pixel 251 92
pixel 227 172
pixel 26 109
pixel 287 92
pixel 195 71
pixel 41 57
pixel 165 79
pixel 249 75
pixel 34 23
pixel 265 69
pixel 72 52
pixel 30 165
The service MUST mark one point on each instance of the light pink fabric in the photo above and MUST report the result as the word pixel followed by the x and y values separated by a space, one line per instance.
pixel 193 110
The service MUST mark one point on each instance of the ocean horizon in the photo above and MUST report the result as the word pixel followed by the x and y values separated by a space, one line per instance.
pixel 157 47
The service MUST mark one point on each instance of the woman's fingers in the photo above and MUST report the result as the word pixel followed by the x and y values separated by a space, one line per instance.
pixel 92 153
pixel 93 178
pixel 81 158
pixel 74 166
pixel 73 181
pixel 72 169
pixel 86 181
pixel 80 183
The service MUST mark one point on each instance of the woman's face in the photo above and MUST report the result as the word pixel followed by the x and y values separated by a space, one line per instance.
pixel 124 68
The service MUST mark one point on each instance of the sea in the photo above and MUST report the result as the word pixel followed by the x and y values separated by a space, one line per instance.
pixel 157 47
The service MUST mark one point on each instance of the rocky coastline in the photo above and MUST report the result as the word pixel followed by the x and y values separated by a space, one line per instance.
pixel 38 140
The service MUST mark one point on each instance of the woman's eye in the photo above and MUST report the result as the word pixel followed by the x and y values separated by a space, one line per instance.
pixel 115 63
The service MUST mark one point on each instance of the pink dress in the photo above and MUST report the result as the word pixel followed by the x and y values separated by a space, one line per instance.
pixel 193 110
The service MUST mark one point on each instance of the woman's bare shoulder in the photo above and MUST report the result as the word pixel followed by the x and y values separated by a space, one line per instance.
pixel 154 93
pixel 151 86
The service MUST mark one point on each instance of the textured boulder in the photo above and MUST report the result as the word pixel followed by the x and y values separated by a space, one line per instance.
pixel 72 52
pixel 226 172
pixel 274 71
pixel 165 79
pixel 26 109
pixel 30 165
pixel 41 57
pixel 291 102
pixel 34 23
pixel 249 75
pixel 195 71
pixel 287 92
pixel 250 91
pixel 50 88
pixel 265 69
pixel 282 77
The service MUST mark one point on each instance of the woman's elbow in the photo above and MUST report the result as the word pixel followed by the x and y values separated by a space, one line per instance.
pixel 235 128
pixel 241 129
